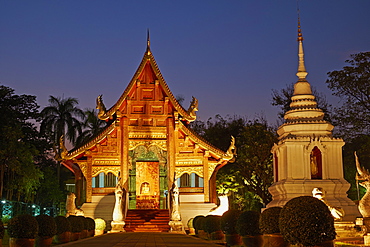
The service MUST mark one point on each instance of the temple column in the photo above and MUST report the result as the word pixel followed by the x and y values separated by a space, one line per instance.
pixel 206 177
pixel 89 179
pixel 171 150
pixel 124 146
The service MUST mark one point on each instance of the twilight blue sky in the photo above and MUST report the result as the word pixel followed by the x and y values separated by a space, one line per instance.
pixel 229 54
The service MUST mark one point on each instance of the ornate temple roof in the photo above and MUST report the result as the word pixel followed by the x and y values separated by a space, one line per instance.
pixel 147 72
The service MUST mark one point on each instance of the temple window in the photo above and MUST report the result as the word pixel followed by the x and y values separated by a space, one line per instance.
pixel 104 180
pixel 316 163
pixel 192 180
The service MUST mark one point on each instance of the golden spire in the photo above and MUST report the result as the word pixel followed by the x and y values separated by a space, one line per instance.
pixel 302 73
pixel 148 43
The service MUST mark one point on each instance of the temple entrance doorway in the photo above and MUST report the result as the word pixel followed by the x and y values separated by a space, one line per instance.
pixel 147 185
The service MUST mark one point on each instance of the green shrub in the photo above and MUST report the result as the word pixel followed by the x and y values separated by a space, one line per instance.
pixel 90 224
pixel 2 229
pixel 307 221
pixel 100 224
pixel 248 224
pixel 228 221
pixel 198 223
pixel 23 226
pixel 77 225
pixel 269 220
pixel 5 219
pixel 212 223
pixel 190 223
pixel 47 225
pixel 63 224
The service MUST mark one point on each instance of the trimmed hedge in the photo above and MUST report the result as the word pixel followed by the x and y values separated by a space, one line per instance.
pixel 63 224
pixel 269 220
pixel 248 224
pixel 307 221
pixel 23 226
pixel 77 224
pixel 212 223
pixel 47 225
pixel 228 221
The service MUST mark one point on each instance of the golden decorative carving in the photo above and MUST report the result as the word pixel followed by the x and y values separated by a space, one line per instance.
pixel 189 169
pixel 189 162
pixel 98 169
pixel 159 143
pixel 193 108
pixel 107 161
pixel 102 114
pixel 211 168
pixel 231 152
pixel 83 167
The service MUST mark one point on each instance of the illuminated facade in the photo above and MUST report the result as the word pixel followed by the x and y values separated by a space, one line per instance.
pixel 148 144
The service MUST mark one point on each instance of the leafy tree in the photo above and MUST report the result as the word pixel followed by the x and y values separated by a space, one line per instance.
pixel 254 159
pixel 352 85
pixel 18 136
pixel 92 126
pixel 253 166
pixel 62 117
pixel 282 99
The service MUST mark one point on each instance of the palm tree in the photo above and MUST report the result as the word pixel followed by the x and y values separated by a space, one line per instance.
pixel 91 126
pixel 61 117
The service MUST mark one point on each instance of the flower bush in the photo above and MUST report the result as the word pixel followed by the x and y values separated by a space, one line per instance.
pixel 100 224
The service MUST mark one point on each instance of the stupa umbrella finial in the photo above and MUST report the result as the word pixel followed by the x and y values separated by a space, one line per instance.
pixel 302 73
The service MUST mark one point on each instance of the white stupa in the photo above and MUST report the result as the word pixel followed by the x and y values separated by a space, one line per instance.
pixel 307 156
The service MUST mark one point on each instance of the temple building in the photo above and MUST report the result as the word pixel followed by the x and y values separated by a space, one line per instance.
pixel 149 146
pixel 307 157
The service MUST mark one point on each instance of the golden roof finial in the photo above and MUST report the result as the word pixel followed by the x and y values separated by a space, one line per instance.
pixel 302 73
pixel 148 43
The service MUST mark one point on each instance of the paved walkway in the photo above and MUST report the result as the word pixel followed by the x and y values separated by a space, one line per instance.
pixel 141 239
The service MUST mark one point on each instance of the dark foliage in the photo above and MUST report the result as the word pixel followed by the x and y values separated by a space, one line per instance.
pixel 247 224
pixel 212 223
pixel 23 226
pixel 198 223
pixel 63 224
pixel 90 224
pixel 77 224
pixel 307 221
pixel 228 221
pixel 352 85
pixel 47 225
pixel 269 220
pixel 2 229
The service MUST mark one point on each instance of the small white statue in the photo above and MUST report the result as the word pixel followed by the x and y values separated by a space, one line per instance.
pixel 336 212
pixel 120 194
pixel 364 176
pixel 71 206
pixel 174 196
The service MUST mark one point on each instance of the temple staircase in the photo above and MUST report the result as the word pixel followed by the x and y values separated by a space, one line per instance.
pixel 147 220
